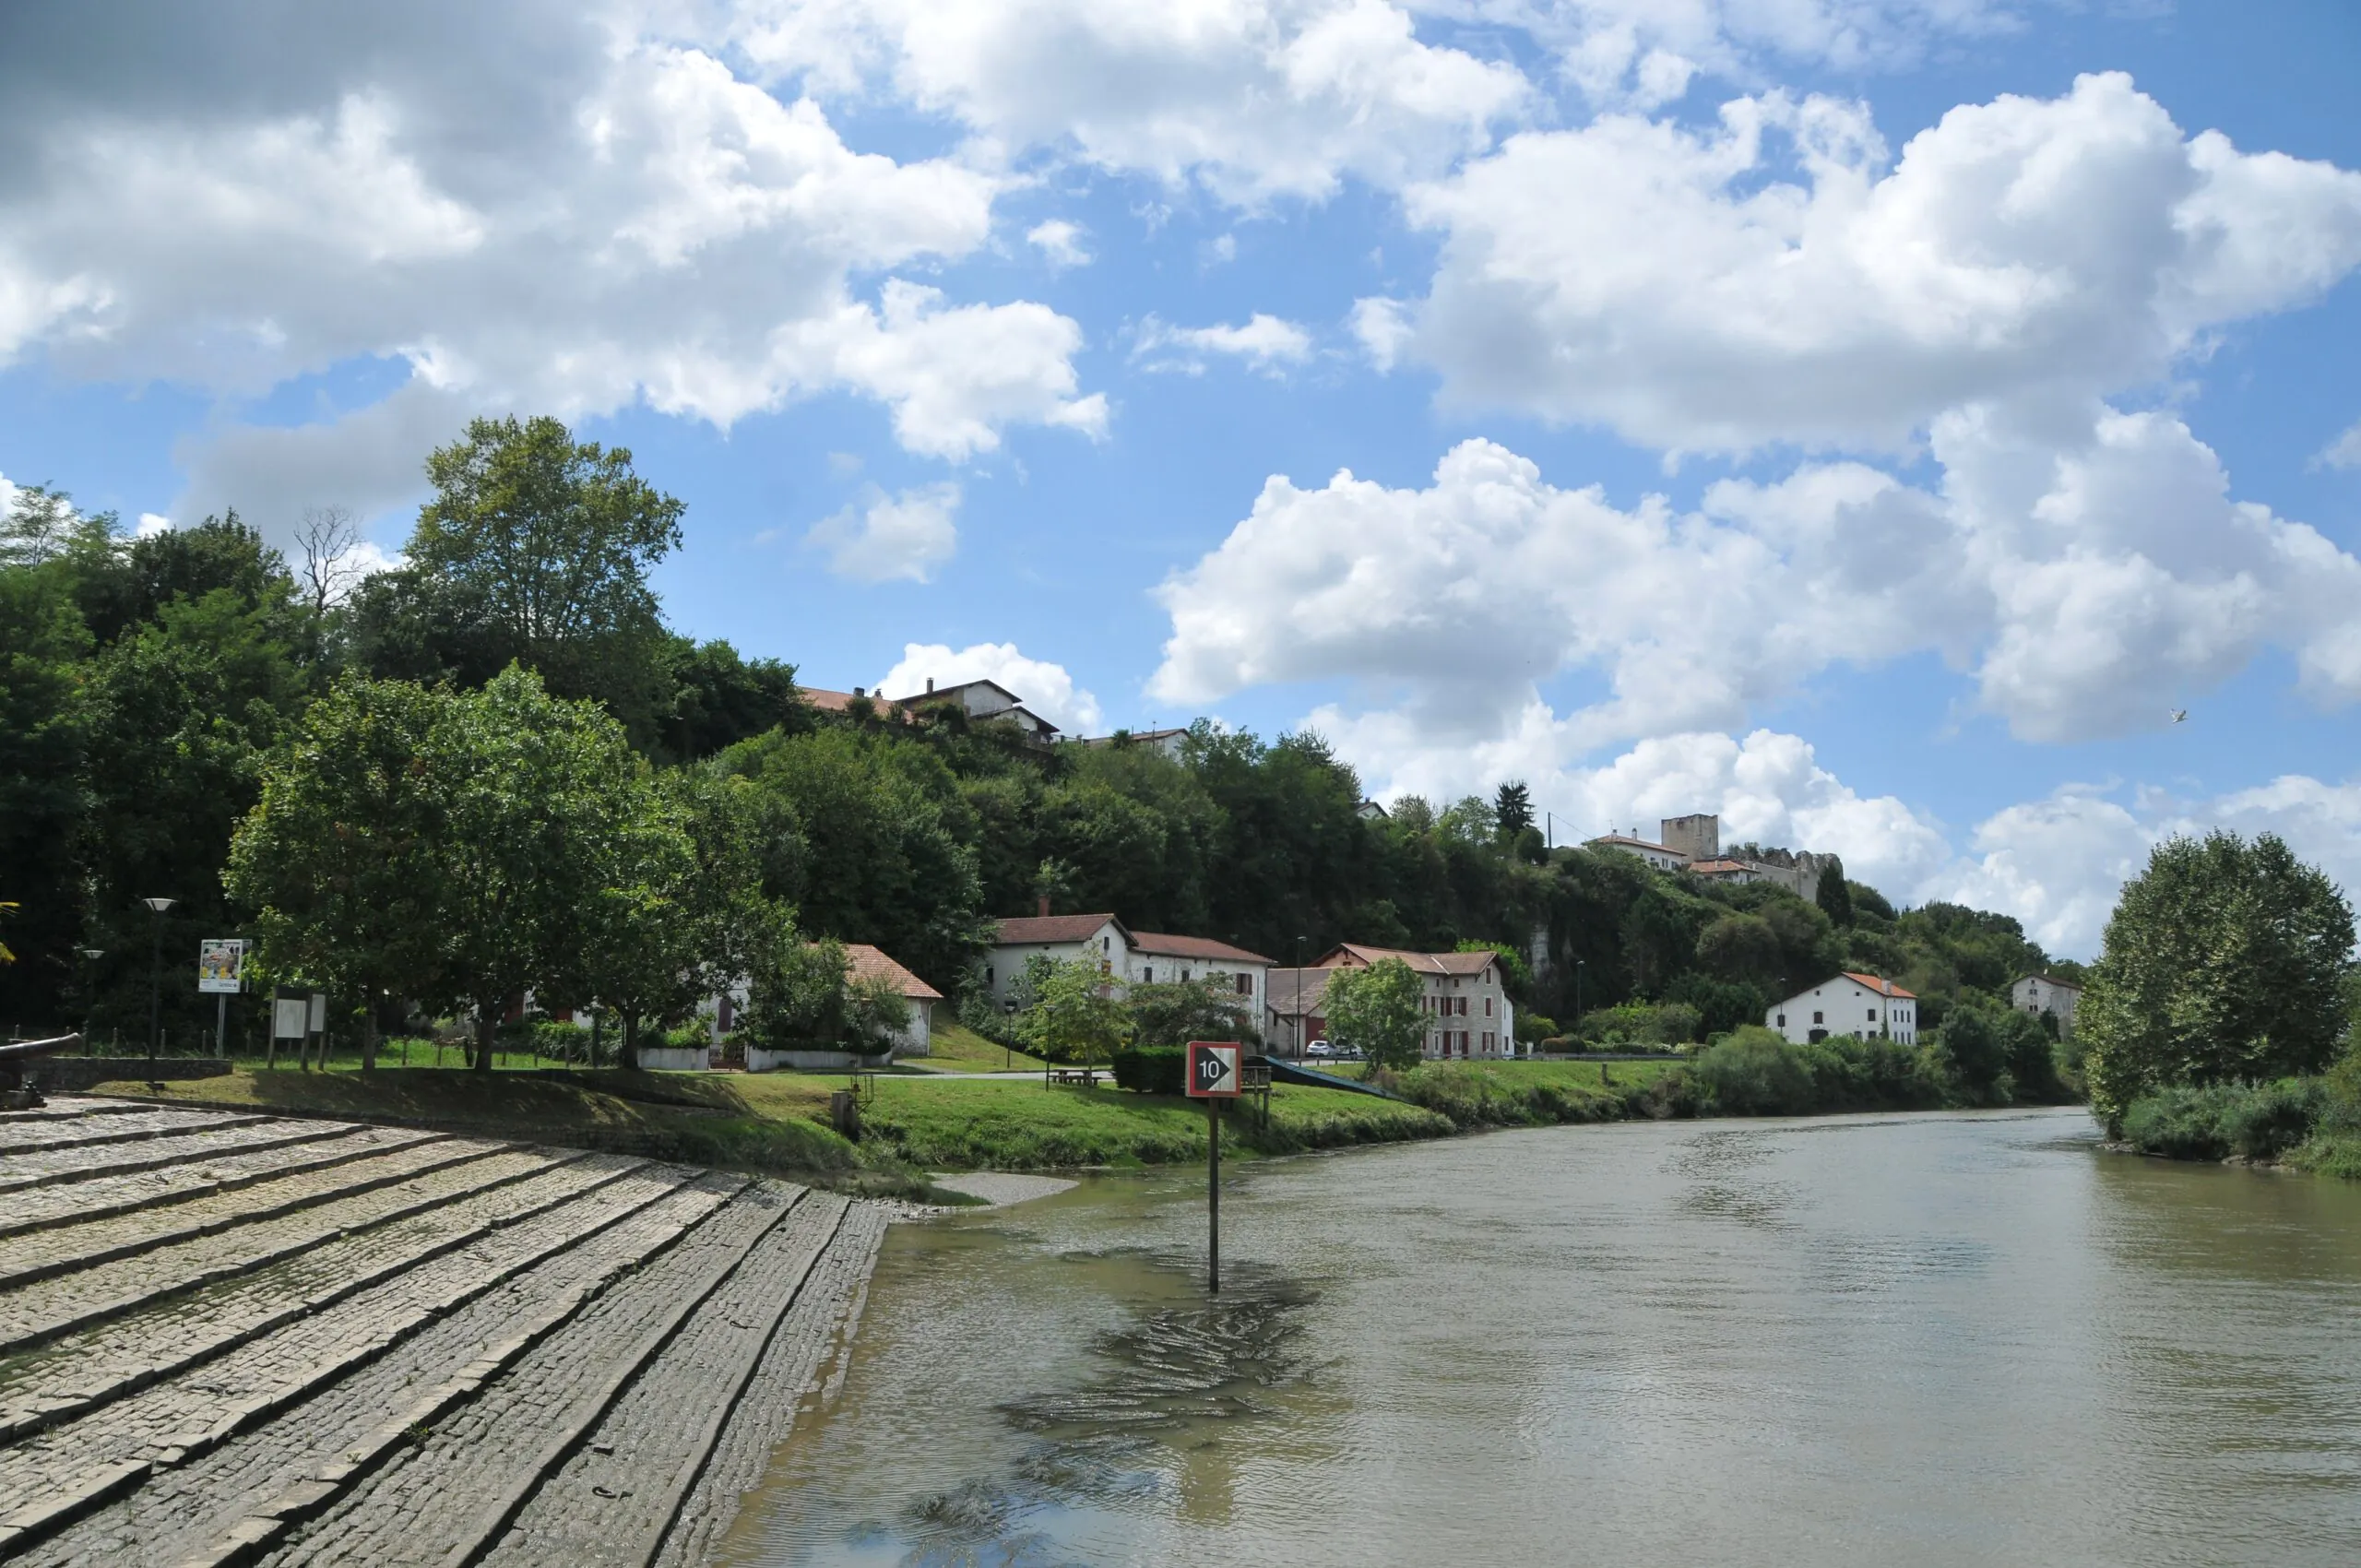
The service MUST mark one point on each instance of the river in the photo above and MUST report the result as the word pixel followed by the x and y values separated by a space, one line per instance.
pixel 1878 1340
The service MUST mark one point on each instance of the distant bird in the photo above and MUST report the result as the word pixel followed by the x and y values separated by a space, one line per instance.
pixel 2180 715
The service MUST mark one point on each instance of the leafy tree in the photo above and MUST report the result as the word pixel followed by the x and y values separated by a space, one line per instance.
pixel 875 1015
pixel 1512 809
pixel 1379 1009
pixel 1072 1013
pixel 718 698
pixel 796 997
pixel 1834 895
pixel 884 857
pixel 38 527
pixel 2224 961
pixel 651 932
pixel 1741 947
pixel 1175 1012
pixel 42 789
pixel 1974 1045
pixel 538 790
pixel 551 540
pixel 341 856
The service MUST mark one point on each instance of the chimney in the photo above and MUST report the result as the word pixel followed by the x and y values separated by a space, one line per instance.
pixel 1044 905
pixel 859 693
pixel 930 682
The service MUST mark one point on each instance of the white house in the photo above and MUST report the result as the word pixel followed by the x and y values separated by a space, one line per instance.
pixel 862 961
pixel 982 700
pixel 2046 993
pixel 1466 999
pixel 1661 856
pixel 1126 957
pixel 1866 1005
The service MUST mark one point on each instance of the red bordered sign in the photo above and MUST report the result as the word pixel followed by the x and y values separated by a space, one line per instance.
pixel 1213 1070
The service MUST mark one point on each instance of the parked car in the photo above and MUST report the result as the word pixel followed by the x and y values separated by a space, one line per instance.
pixel 1320 1048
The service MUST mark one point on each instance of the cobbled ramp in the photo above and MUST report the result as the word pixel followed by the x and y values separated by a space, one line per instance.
pixel 256 1339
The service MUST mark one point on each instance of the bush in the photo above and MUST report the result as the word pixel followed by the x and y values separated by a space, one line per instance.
pixel 1754 1073
pixel 2217 1121
pixel 1152 1069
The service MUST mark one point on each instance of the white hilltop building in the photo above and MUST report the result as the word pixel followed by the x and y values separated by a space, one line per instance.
pixel 1693 844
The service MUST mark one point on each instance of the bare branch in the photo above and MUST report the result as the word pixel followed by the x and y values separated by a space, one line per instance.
pixel 332 563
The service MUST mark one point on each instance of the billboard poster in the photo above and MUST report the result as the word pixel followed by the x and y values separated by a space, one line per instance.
pixel 221 961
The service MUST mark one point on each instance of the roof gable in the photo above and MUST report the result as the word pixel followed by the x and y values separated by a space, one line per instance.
pixel 1165 945
pixel 871 963
pixel 1354 954
pixel 1022 929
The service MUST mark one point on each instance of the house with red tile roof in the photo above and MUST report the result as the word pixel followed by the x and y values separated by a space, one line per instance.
pixel 1868 1005
pixel 1466 999
pixel 1127 956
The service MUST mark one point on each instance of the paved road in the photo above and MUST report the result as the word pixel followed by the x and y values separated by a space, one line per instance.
pixel 253 1340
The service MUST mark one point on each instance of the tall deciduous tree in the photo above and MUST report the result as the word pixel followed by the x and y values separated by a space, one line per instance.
pixel 1072 1013
pixel 342 857
pixel 678 910
pixel 538 791
pixel 550 542
pixel 1378 1009
pixel 2223 960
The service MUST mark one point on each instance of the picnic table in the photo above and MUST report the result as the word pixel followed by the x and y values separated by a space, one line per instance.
pixel 1085 1076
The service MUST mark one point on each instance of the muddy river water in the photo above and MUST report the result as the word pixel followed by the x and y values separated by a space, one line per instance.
pixel 1926 1339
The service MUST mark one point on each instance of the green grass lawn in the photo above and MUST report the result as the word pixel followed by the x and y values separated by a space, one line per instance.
pixel 959 1049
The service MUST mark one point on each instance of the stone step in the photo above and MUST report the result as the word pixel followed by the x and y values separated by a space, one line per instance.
pixel 106 1195
pixel 84 1132
pixel 67 1246
pixel 48 1480
pixel 39 1169
pixel 447 1496
pixel 815 1339
pixel 65 1108
pixel 79 1371
pixel 56 1306
pixel 218 1506
pixel 614 1500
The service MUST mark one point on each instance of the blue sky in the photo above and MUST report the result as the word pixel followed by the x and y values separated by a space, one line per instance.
pixel 1869 419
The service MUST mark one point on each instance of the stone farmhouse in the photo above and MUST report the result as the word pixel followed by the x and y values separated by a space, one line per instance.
pixel 1693 844
pixel 1867 1005
pixel 1126 957
pixel 2046 993
pixel 1467 1001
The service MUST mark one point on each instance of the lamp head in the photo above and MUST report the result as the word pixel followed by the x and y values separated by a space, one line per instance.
pixel 160 905
pixel 92 953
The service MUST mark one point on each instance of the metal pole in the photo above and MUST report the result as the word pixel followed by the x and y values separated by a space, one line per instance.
pixel 1213 1196
pixel 221 1024
pixel 155 988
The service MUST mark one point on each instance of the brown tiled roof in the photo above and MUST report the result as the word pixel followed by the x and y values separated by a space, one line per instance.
pixel 1636 843
pixel 1716 868
pixel 1352 953
pixel 1881 986
pixel 871 962
pixel 834 702
pixel 1166 946
pixel 1282 988
pixel 1054 928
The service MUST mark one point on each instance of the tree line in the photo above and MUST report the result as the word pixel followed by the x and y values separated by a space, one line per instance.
pixel 494 769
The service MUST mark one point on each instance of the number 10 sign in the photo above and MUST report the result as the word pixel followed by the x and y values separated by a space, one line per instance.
pixel 1213 1071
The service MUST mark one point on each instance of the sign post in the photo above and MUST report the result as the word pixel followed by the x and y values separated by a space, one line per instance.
pixel 221 966
pixel 1214 1077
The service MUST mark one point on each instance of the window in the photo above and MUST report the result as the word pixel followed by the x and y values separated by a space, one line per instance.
pixel 987 976
pixel 1147 975
pixel 1102 944
pixel 1873 1015
pixel 1817 1019
pixel 1184 977
pixel 1783 1020
pixel 1246 985
pixel 1463 1013
pixel 1487 1008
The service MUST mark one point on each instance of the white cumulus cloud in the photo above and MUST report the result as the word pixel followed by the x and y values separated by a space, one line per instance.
pixel 526 207
pixel 907 536
pixel 1264 342
pixel 1042 686
pixel 2345 452
pixel 1773 280
pixel 1060 242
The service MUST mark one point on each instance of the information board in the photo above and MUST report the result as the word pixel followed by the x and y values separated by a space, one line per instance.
pixel 221 961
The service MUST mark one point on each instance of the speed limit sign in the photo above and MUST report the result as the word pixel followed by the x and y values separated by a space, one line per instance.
pixel 1213 1070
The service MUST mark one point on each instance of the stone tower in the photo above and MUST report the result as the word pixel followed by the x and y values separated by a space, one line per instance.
pixel 1695 837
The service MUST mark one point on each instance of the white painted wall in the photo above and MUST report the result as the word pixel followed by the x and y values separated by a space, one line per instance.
pixel 1845 1006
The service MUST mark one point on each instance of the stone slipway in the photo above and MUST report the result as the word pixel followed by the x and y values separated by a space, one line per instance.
pixel 255 1340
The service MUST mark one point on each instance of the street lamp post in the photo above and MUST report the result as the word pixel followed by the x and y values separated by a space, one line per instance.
pixel 1578 998
pixel 91 956
pixel 156 979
